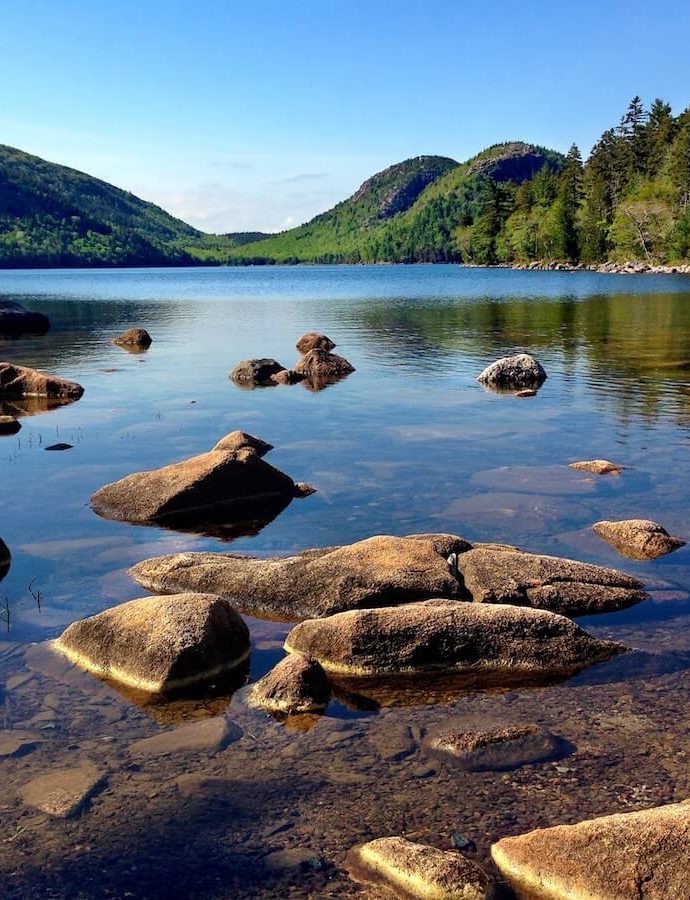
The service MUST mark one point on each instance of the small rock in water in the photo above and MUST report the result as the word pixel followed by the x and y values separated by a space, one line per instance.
pixel 520 371
pixel 60 447
pixel 207 736
pixel 134 337
pixel 527 392
pixel 638 538
pixel 297 684
pixel 255 372
pixel 312 340
pixel 63 792
pixel 598 467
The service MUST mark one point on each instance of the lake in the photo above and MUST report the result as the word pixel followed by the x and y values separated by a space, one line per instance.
pixel 408 443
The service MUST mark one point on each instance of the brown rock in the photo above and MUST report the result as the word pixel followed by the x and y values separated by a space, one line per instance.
pixel 598 467
pixel 287 376
pixel 379 571
pixel 448 635
pixel 255 372
pixel 159 643
pixel 18 381
pixel 63 792
pixel 297 684
pixel 546 582
pixel 321 367
pixel 497 750
pixel 9 425
pixel 240 440
pixel 638 538
pixel 520 371
pixel 206 736
pixel 417 870
pixel 639 854
pixel 14 319
pixel 134 337
pixel 234 483
pixel 16 743
pixel 312 340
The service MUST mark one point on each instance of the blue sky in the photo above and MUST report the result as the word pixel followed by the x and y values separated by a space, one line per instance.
pixel 257 115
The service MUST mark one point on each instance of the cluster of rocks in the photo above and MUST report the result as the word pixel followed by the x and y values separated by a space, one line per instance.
pixel 629 267
pixel 317 367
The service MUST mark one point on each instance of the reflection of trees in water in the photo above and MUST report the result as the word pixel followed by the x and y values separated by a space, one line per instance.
pixel 635 348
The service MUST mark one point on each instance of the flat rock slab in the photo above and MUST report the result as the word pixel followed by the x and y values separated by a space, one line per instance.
pixel 413 870
pixel 159 644
pixel 379 571
pixel 297 684
pixel 19 381
pixel 597 467
pixel 498 750
pixel 519 371
pixel 16 742
pixel 642 855
pixel 63 792
pixel 640 539
pixel 448 635
pixel 206 736
pixel 14 319
pixel 539 480
pixel 546 582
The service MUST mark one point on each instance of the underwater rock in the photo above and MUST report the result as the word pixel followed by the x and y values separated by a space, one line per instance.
pixel 598 467
pixel 546 582
pixel 14 319
pixel 17 742
pixel 159 644
pixel 378 571
pixel 498 750
pixel 206 736
pixel 638 854
pixel 255 372
pixel 312 340
pixel 413 870
pixel 638 538
pixel 134 337
pixel 9 425
pixel 297 684
pixel 63 792
pixel 20 381
pixel 520 371
pixel 448 635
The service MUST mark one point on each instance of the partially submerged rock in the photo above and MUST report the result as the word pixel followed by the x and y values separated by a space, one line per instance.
pixel 63 792
pixel 312 340
pixel 322 367
pixel 255 372
pixel 134 337
pixel 19 381
pixel 233 483
pixel 640 854
pixel 287 376
pixel 495 750
pixel 379 571
pixel 206 736
pixel 417 870
pixel 14 319
pixel 598 466
pixel 9 425
pixel 448 635
pixel 638 538
pixel 159 644
pixel 297 684
pixel 520 371
pixel 546 582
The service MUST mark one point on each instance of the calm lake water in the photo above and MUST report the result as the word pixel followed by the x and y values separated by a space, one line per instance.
pixel 408 443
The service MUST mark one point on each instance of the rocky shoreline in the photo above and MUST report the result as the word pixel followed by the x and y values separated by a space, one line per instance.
pixel 629 267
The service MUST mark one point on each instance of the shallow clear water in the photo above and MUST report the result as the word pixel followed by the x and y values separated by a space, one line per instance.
pixel 408 443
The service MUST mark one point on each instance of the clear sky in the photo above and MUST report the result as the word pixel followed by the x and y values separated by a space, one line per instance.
pixel 259 114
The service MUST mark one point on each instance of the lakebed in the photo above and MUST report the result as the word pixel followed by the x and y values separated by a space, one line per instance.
pixel 408 443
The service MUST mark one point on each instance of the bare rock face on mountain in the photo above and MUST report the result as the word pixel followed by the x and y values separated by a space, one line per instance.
pixel 520 371
pixel 638 538
pixel 598 467
pixel 546 582
pixel 235 482
pixel 445 636
pixel 14 319
pixel 638 854
pixel 418 871
pixel 379 571
pixel 159 644
pixel 297 684
pixel 322 367
pixel 255 372
pixel 134 337
pixel 498 750
pixel 312 340
pixel 18 381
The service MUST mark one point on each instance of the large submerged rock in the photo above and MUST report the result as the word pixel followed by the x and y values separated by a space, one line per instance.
pixel 495 750
pixel 19 381
pixel 236 483
pixel 159 644
pixel 255 372
pixel 513 372
pixel 14 319
pixel 379 571
pixel 448 635
pixel 297 684
pixel 641 855
pixel 638 538
pixel 414 870
pixel 546 582
pixel 9 425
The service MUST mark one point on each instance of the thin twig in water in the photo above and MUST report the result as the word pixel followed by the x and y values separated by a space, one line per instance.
pixel 37 595
pixel 5 614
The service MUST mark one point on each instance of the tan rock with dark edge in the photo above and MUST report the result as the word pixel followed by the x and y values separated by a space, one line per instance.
pixel 296 684
pixel 134 337
pixel 519 371
pixel 379 571
pixel 19 381
pixel 312 340
pixel 14 319
pixel 255 372
pixel 9 425
pixel 546 582
pixel 322 366
pixel 416 870
pixel 62 792
pixel 240 440
pixel 641 855
pixel 448 636
pixel 159 644
pixel 206 736
pixel 496 750
pixel 287 376
pixel 598 466
pixel 638 538
pixel 221 479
